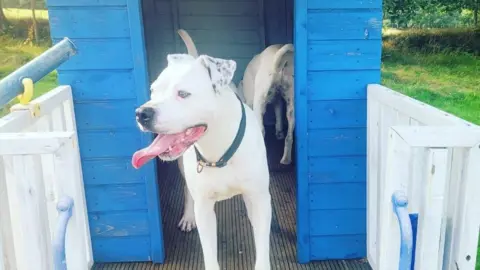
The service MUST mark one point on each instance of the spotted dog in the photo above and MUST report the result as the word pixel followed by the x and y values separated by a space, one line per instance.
pixel 269 77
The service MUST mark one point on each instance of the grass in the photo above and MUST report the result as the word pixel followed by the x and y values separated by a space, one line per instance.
pixel 446 81
pixel 21 14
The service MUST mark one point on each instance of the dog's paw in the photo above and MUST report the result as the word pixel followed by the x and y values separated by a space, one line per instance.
pixel 187 223
pixel 286 161
pixel 280 134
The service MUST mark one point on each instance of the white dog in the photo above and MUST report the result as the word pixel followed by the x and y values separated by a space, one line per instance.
pixel 187 222
pixel 267 77
pixel 198 116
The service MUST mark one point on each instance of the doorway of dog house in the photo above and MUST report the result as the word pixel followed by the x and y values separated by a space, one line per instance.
pixel 238 30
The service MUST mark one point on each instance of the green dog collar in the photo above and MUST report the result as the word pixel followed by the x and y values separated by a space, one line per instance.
pixel 222 162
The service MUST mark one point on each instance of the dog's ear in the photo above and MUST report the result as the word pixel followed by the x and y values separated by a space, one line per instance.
pixel 221 71
pixel 178 58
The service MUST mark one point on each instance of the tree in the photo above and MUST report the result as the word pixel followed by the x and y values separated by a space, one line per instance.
pixel 400 12
pixel 33 5
pixel 451 5
pixel 475 8
pixel 3 18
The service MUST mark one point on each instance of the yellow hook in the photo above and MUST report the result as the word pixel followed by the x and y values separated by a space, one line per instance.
pixel 27 94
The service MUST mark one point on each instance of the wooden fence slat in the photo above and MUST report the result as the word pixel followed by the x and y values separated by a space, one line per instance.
pixel 396 179
pixel 467 221
pixel 45 125
pixel 373 122
pixel 417 176
pixel 80 201
pixel 7 252
pixel 430 232
pixel 454 190
pixel 29 222
pixel 387 119
pixel 67 166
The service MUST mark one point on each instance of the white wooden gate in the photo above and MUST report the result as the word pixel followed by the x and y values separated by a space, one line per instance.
pixel 40 163
pixel 434 158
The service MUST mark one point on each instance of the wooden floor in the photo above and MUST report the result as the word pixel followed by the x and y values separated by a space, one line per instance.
pixel 235 240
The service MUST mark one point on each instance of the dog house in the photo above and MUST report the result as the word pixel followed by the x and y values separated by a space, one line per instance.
pixel 319 202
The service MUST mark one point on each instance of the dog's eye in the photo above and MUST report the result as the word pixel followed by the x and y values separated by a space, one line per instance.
pixel 183 94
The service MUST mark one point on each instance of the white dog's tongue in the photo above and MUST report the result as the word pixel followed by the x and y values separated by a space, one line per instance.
pixel 158 146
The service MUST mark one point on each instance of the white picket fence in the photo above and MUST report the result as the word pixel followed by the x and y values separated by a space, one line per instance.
pixel 434 157
pixel 39 163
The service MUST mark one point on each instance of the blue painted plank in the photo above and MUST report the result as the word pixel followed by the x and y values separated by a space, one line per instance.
pixel 337 142
pixel 351 4
pixel 218 8
pixel 121 249
pixel 337 114
pixel 114 143
pixel 328 85
pixel 163 24
pixel 338 196
pixel 115 197
pixel 99 84
pixel 101 22
pixel 219 22
pixel 157 250
pixel 245 1
pixel 229 51
pixel 119 224
pixel 94 172
pixel 234 37
pixel 344 55
pixel 341 25
pixel 338 222
pixel 339 247
pixel 160 37
pixel 100 54
pixel 337 169
pixel 301 130
pixel 80 3
pixel 161 7
pixel 275 21
pixel 106 115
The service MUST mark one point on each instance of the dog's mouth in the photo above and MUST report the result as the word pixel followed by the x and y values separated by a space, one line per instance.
pixel 168 146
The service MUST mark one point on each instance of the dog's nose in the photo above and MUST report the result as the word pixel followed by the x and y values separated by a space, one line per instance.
pixel 145 114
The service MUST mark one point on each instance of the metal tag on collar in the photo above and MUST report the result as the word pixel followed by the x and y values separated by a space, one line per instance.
pixel 199 167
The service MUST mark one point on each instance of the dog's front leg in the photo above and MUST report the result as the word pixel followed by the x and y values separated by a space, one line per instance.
pixel 187 223
pixel 259 208
pixel 207 230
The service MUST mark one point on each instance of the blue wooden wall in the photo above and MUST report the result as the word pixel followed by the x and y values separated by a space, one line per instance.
pixel 338 50
pixel 225 29
pixel 108 78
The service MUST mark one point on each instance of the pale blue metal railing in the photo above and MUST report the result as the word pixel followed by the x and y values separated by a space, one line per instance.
pixel 406 222
pixel 64 208
pixel 12 86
